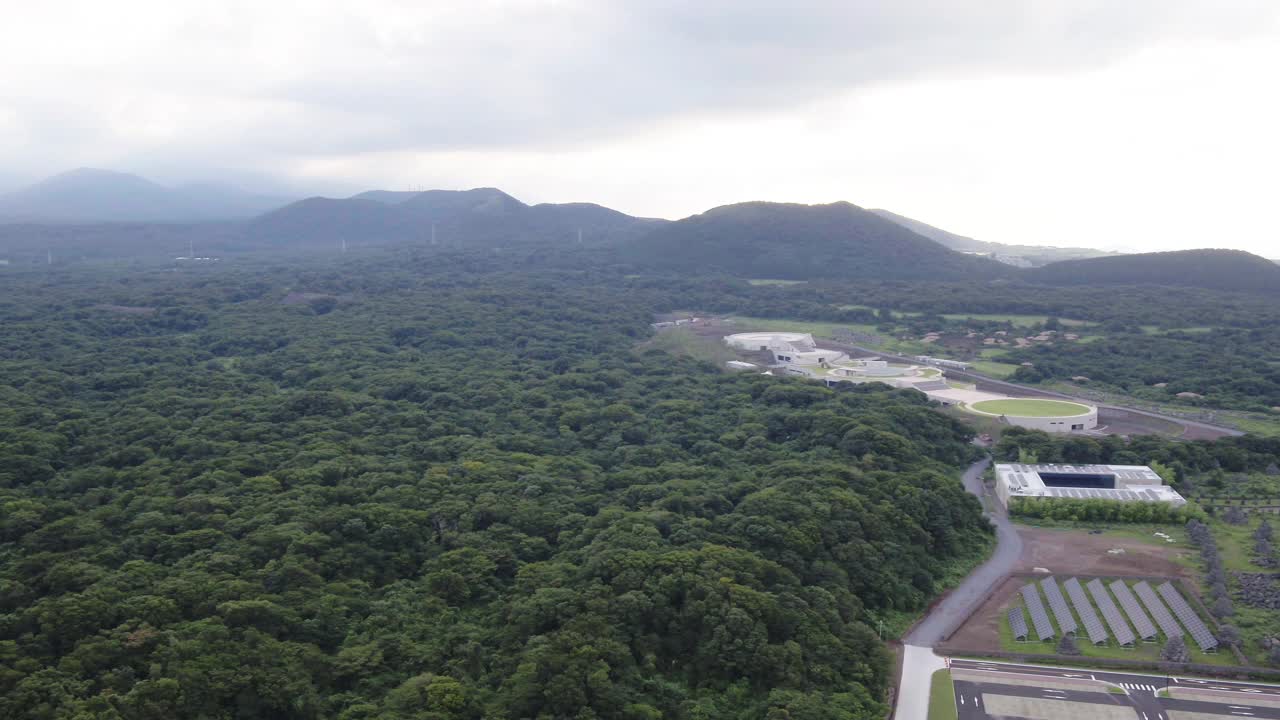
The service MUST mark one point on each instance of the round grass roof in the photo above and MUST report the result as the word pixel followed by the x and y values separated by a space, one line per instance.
pixel 1022 407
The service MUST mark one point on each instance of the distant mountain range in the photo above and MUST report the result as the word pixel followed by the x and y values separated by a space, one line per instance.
pixel 98 213
pixel 88 195
pixel 481 217
pixel 1016 255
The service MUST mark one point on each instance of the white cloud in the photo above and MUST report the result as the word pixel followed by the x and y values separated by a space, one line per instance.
pixel 1146 123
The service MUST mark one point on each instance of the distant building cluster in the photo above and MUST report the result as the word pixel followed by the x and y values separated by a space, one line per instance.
pixel 675 323
pixel 798 354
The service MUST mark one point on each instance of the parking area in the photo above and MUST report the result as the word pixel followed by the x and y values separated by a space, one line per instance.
pixel 1004 690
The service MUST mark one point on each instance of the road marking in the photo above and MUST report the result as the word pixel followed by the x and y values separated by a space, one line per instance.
pixel 961 699
pixel 1240 707
pixel 1144 716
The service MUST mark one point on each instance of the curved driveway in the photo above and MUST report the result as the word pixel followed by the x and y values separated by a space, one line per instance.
pixel 956 605
pixel 918 659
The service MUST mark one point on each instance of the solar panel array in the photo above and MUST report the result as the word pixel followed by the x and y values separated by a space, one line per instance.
pixel 1167 624
pixel 1031 598
pixel 1092 626
pixel 1018 623
pixel 1190 620
pixel 1058 604
pixel 1110 613
pixel 1141 623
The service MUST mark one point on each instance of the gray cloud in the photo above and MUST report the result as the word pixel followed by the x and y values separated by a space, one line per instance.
pixel 255 86
pixel 576 74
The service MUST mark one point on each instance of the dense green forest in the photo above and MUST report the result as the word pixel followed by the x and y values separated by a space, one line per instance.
pixel 441 486
pixel 1227 367
pixel 1185 459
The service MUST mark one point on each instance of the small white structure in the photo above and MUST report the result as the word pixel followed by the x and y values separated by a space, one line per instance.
pixel 1125 483
pixel 787 348
pixel 942 362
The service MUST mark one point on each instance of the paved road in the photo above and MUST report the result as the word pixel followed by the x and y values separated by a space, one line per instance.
pixel 919 660
pixel 1025 391
pixel 957 605
pixel 1231 698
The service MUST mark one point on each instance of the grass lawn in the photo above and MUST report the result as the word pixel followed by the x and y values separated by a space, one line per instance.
pixel 1018 320
pixel 1235 544
pixel 685 343
pixel 942 696
pixel 1030 408
pixel 817 329
pixel 993 369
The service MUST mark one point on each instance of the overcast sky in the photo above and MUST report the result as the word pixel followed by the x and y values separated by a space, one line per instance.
pixel 1137 124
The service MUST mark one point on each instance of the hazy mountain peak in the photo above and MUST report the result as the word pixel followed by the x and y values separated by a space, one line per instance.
pixel 95 194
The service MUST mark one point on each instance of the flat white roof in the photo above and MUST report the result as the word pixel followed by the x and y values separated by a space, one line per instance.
pixel 1133 483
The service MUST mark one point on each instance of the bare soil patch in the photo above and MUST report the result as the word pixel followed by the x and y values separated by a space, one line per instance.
pixel 1067 553
pixel 1076 552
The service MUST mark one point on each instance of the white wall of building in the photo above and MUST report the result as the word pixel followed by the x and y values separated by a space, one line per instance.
pixel 1078 423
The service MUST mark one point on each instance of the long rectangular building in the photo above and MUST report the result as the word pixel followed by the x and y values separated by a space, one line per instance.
pixel 1125 483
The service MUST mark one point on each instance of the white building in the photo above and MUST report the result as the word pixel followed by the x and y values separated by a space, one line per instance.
pixel 787 348
pixel 1125 483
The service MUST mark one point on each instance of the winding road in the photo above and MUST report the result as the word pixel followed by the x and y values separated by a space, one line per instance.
pixel 918 659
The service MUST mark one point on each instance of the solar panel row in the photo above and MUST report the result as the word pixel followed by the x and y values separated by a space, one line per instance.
pixel 1031 598
pixel 1141 623
pixel 1018 623
pixel 1092 626
pixel 1167 624
pixel 1190 620
pixel 1058 604
pixel 1119 628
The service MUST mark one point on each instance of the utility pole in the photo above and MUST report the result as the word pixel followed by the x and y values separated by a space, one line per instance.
pixel 344 244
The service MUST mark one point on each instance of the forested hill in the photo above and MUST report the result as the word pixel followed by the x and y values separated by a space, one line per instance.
pixel 483 217
pixel 442 486
pixel 1212 269
pixel 790 241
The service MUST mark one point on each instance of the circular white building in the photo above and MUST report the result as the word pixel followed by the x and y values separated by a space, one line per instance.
pixel 1038 414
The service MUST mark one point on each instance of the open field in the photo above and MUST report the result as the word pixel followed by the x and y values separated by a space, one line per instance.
pixel 1016 320
pixel 1068 551
pixel 1030 408
pixel 682 341
pixel 991 368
